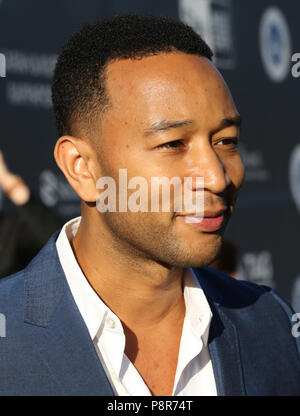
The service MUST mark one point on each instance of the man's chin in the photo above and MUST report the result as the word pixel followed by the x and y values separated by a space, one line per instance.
pixel 196 260
pixel 201 257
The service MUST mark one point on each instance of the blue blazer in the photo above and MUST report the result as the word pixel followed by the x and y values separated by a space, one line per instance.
pixel 47 349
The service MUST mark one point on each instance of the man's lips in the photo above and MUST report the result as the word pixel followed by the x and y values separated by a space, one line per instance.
pixel 210 221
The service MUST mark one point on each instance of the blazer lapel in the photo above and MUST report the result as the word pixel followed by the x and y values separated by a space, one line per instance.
pixel 225 355
pixel 222 342
pixel 62 339
pixel 64 344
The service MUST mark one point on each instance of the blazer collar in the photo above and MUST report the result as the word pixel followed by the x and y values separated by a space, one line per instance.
pixel 62 340
pixel 223 342
pixel 44 285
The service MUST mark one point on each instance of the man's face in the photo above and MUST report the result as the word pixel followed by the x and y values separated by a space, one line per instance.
pixel 167 118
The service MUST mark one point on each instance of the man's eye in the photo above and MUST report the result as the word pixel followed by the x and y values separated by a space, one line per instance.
pixel 171 145
pixel 229 141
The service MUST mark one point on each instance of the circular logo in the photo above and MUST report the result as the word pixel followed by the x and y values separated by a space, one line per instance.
pixel 294 172
pixel 275 44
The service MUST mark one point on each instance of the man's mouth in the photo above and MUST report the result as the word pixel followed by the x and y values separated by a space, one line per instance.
pixel 209 221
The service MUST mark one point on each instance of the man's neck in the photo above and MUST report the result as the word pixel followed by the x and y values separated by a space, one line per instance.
pixel 142 293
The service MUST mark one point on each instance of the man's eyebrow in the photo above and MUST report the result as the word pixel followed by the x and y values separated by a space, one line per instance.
pixel 229 121
pixel 162 125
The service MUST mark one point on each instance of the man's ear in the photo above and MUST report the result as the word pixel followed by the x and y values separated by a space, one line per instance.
pixel 77 160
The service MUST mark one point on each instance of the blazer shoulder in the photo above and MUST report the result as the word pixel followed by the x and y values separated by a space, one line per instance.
pixel 232 287
pixel 12 296
pixel 12 287
pixel 246 300
pixel 9 283
pixel 223 288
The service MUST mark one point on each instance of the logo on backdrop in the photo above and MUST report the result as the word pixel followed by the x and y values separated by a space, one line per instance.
pixel 212 20
pixel 294 175
pixel 55 192
pixel 255 167
pixel 257 267
pixel 275 44
pixel 29 78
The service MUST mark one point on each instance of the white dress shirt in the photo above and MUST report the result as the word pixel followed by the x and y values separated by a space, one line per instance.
pixel 194 373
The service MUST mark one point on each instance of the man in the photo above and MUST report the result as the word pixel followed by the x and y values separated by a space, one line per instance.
pixel 119 302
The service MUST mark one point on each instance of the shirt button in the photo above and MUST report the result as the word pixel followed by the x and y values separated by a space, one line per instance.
pixel 111 323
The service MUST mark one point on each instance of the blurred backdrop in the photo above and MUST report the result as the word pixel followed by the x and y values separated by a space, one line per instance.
pixel 255 42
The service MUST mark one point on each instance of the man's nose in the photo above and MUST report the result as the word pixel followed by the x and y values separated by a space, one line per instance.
pixel 204 162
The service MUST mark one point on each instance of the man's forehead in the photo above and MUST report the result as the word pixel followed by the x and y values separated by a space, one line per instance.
pixel 170 86
pixel 170 66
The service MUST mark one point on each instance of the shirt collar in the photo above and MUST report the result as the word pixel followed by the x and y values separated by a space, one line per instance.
pixel 94 310
pixel 198 311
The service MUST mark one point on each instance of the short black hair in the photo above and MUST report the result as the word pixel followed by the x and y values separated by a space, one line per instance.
pixel 78 87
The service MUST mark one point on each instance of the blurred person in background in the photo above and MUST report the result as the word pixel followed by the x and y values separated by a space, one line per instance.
pixel 227 260
pixel 24 231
